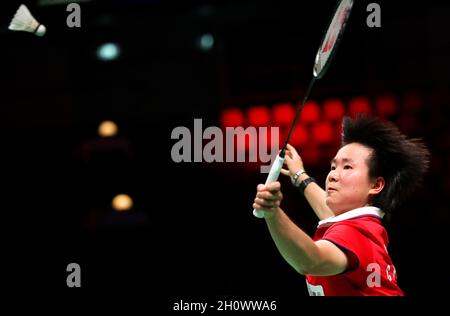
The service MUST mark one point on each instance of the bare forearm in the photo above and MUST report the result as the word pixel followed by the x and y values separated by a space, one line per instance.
pixel 296 247
pixel 316 197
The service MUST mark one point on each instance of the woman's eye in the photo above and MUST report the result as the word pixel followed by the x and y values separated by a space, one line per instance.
pixel 347 167
pixel 333 167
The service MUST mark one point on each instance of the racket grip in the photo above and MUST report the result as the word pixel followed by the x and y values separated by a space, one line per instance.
pixel 272 177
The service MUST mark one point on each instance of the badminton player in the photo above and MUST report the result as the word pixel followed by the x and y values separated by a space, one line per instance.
pixel 373 172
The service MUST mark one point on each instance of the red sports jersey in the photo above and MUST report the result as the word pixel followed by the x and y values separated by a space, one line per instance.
pixel 361 236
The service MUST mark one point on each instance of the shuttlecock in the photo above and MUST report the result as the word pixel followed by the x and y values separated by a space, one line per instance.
pixel 24 21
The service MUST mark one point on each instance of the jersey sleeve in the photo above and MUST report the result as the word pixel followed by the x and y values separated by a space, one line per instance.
pixel 351 241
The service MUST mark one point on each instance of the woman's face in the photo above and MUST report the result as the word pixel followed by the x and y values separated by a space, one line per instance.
pixel 348 185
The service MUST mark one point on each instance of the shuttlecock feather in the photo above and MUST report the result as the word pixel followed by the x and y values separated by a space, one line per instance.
pixel 24 21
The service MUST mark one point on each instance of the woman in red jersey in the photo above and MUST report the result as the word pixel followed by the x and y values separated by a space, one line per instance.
pixel 375 169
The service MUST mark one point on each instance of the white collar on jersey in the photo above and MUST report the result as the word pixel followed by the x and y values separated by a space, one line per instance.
pixel 366 210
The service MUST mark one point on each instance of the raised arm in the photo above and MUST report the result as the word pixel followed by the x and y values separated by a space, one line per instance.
pixel 314 194
pixel 297 248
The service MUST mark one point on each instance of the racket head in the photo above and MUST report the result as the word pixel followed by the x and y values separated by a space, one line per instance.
pixel 332 37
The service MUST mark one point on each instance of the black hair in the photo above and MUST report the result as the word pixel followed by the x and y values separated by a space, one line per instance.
pixel 400 161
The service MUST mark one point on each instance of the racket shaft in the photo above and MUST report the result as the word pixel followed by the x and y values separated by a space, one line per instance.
pixel 272 177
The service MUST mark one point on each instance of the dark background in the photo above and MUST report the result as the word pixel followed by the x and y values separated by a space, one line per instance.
pixel 191 232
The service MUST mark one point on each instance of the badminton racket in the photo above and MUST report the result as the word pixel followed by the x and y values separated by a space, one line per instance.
pixel 324 56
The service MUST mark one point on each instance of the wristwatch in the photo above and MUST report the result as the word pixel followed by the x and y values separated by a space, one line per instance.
pixel 296 176
pixel 305 183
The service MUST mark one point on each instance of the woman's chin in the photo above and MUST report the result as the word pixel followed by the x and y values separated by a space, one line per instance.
pixel 332 205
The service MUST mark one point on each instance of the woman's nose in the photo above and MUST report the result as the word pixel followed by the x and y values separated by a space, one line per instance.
pixel 332 176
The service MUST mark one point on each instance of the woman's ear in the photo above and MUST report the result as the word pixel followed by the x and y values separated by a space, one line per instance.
pixel 377 186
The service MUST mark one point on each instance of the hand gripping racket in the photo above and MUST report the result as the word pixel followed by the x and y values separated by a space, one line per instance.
pixel 324 55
